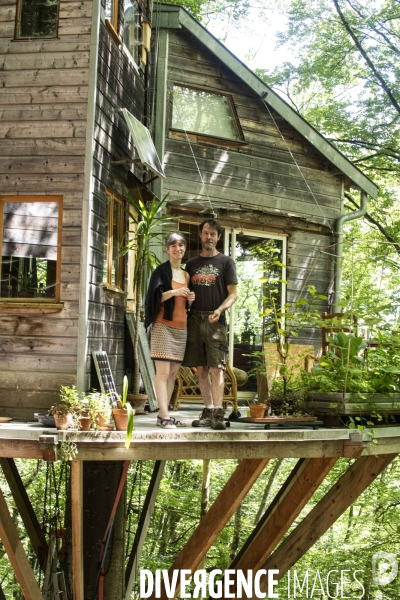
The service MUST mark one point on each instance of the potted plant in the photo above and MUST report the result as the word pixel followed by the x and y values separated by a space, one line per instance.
pixel 99 408
pixel 357 379
pixel 69 405
pixel 148 222
pixel 257 409
pixel 123 415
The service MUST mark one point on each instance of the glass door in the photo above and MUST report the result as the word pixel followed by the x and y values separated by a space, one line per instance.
pixel 260 262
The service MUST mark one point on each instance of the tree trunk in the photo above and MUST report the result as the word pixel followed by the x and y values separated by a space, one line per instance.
pixel 100 484
pixel 264 500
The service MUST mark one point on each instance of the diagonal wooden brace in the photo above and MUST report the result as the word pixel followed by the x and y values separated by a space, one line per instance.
pixel 345 491
pixel 304 479
pixel 16 554
pixel 209 528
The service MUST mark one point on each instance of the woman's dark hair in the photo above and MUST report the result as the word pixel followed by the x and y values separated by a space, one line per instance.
pixel 175 237
pixel 213 223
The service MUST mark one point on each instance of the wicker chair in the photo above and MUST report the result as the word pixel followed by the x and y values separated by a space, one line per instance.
pixel 187 388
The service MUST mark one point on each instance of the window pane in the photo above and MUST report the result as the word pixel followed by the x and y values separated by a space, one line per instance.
pixel 106 240
pixel 29 249
pixel 109 9
pixel 132 29
pixel 37 19
pixel 201 112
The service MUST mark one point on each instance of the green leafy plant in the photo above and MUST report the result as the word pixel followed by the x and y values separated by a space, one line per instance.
pixel 149 223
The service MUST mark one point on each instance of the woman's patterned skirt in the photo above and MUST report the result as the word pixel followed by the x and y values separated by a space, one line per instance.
pixel 167 343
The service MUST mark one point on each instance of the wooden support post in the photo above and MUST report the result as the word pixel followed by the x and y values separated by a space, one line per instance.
pixel 349 487
pixel 142 528
pixel 209 528
pixel 24 507
pixel 16 554
pixel 304 479
pixel 77 528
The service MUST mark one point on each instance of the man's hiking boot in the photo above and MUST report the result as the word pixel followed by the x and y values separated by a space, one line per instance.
pixel 217 419
pixel 204 419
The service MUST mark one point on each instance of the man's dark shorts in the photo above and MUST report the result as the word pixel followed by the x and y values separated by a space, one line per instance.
pixel 206 342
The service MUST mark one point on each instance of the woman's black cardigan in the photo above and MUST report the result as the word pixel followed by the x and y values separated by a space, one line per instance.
pixel 160 282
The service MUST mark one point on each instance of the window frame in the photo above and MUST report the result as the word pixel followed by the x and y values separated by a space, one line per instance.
pixel 113 27
pixel 240 140
pixel 18 21
pixel 32 198
pixel 111 198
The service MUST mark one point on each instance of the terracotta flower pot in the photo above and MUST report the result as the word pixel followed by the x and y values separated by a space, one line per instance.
pixel 138 401
pixel 257 410
pixel 101 419
pixel 84 423
pixel 121 418
pixel 62 421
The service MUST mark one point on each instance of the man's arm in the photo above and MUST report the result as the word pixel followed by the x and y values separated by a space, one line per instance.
pixel 227 303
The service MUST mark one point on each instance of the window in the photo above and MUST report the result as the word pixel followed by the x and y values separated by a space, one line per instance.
pixel 206 113
pixel 30 235
pixel 132 29
pixel 37 19
pixel 114 230
pixel 133 25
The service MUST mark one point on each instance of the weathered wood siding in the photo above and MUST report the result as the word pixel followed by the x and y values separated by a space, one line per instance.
pixel 262 174
pixel 256 185
pixel 119 85
pixel 43 107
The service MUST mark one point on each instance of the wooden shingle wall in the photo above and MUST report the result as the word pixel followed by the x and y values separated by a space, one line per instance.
pixel 259 177
pixel 43 108
pixel 119 85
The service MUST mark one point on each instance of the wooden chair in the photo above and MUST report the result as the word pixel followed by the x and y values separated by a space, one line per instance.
pixel 328 330
pixel 187 389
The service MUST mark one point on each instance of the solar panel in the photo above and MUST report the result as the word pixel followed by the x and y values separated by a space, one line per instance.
pixel 143 143
pixel 105 376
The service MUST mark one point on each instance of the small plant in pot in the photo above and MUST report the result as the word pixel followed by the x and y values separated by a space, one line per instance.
pixel 257 409
pixel 123 414
pixel 69 406
pixel 99 407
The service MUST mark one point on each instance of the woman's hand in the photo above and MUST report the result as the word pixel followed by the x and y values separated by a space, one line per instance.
pixel 183 292
pixel 191 297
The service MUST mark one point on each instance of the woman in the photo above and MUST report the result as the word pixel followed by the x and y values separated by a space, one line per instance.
pixel 166 301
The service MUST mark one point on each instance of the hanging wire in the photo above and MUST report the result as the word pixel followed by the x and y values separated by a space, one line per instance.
pixel 326 221
pixel 200 175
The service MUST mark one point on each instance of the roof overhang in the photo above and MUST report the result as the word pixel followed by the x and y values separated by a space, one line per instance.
pixel 171 16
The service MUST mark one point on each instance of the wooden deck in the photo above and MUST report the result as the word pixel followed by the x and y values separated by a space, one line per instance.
pixel 240 440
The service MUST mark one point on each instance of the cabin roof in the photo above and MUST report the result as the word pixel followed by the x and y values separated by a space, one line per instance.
pixel 173 16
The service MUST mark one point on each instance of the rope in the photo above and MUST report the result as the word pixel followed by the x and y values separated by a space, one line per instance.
pixel 326 221
pixel 200 175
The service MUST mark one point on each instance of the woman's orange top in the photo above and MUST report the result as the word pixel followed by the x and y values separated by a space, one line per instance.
pixel 179 318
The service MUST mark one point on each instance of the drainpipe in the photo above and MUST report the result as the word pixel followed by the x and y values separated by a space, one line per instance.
pixel 357 214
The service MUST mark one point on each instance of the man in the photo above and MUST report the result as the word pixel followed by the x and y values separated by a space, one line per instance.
pixel 213 279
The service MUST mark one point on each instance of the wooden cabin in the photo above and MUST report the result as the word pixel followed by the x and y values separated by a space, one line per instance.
pixel 228 143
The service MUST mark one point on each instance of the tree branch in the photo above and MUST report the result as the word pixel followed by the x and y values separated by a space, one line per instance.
pixel 367 216
pixel 364 54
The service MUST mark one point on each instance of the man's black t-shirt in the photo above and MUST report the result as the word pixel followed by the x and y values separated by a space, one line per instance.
pixel 209 277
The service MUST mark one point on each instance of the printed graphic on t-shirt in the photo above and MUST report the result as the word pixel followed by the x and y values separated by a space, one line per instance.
pixel 205 276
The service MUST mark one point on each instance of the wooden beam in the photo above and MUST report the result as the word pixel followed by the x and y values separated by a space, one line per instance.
pixel 304 479
pixel 143 525
pixel 209 528
pixel 77 528
pixel 349 487
pixel 25 508
pixel 16 554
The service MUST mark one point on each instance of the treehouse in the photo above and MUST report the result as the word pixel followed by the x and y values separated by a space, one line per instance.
pixel 75 121
pixel 81 90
